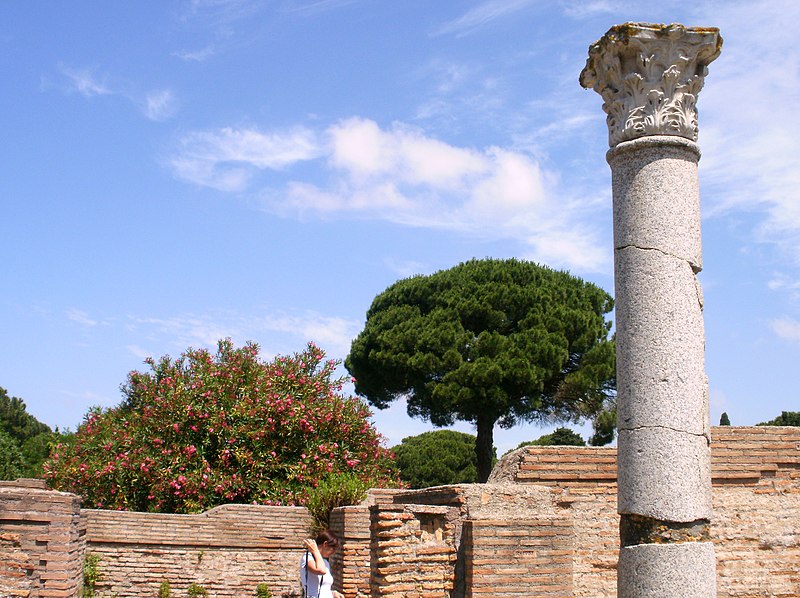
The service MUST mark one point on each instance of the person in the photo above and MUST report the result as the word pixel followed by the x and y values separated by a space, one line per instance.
pixel 315 570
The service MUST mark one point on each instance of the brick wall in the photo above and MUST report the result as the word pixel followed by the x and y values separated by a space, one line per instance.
pixel 412 552
pixel 228 550
pixel 41 541
pixel 756 500
pixel 529 557
pixel 546 525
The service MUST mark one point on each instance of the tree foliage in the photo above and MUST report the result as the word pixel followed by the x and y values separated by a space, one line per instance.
pixel 724 420
pixel 31 438
pixel 558 437
pixel 786 418
pixel 488 341
pixel 437 458
pixel 604 424
pixel 12 465
pixel 204 429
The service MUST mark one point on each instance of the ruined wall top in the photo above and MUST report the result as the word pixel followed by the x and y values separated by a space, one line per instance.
pixel 649 77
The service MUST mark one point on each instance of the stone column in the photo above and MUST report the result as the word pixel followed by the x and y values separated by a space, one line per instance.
pixel 649 77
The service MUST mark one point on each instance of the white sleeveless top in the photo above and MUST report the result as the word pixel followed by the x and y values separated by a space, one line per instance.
pixel 315 589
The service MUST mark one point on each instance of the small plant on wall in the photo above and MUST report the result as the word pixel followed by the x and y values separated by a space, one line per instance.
pixel 91 574
pixel 164 590
pixel 263 591
pixel 196 591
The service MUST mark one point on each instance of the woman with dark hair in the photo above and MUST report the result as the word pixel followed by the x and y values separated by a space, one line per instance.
pixel 315 570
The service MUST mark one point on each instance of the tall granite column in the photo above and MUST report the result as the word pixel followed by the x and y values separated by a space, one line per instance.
pixel 649 77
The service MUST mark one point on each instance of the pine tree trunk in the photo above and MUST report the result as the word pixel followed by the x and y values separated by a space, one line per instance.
pixel 484 447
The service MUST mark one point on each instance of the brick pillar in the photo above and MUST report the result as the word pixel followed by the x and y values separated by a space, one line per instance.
pixel 42 541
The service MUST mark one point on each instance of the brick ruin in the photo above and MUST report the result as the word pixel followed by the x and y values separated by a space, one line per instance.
pixel 546 524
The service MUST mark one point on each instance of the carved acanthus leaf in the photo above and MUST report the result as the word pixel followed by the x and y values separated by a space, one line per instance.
pixel 649 77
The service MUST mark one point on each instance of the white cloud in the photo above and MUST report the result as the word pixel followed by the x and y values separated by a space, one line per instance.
pixel 481 15
pixel 401 175
pixel 225 159
pixel 200 55
pixel 333 334
pixel 362 149
pixel 780 282
pixel 80 317
pixel 139 352
pixel 406 268
pixel 85 82
pixel 786 328
pixel 283 331
pixel 159 105
pixel 582 9
pixel 187 330
pixel 750 134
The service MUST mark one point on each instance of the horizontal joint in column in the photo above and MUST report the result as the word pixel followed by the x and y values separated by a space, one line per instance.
pixel 637 529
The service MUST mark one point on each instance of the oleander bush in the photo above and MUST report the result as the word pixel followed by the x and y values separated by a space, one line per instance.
pixel 207 429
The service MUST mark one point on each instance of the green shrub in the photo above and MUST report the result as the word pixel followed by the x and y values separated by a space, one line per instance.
pixel 334 490
pixel 263 591
pixel 91 574
pixel 164 590
pixel 196 591
pixel 204 430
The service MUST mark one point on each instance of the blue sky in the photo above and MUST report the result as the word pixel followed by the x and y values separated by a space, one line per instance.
pixel 172 173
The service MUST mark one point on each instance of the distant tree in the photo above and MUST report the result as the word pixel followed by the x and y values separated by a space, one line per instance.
pixel 604 424
pixel 724 420
pixel 437 458
pixel 12 465
pixel 786 418
pixel 16 421
pixel 32 437
pixel 558 437
pixel 205 429
pixel 488 341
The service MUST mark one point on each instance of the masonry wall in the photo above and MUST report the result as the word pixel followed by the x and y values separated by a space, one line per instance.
pixel 545 525
pixel 41 541
pixel 756 500
pixel 228 550
pixel 528 557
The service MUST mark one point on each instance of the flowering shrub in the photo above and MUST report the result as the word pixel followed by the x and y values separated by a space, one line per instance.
pixel 204 430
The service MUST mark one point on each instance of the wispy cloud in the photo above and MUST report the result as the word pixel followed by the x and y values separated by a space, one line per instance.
pixel 314 7
pixel 400 174
pixel 200 55
pixel 223 11
pixel 277 332
pixel 751 148
pixel 81 317
pixel 484 13
pixel 159 105
pixel 156 105
pixel 85 81
pixel 225 159
pixel 786 328
pixel 581 9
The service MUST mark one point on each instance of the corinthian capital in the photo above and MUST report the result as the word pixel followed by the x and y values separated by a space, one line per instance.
pixel 649 77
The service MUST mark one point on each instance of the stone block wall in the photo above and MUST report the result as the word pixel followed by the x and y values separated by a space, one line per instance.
pixel 41 541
